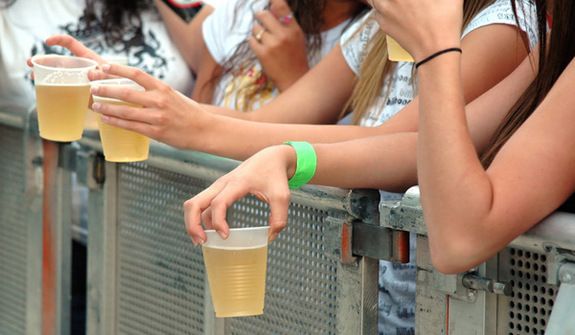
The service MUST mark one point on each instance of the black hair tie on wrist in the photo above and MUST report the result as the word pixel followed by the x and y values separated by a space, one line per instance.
pixel 439 53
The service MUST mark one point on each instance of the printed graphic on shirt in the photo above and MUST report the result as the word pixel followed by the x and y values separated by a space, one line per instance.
pixel 248 90
pixel 143 50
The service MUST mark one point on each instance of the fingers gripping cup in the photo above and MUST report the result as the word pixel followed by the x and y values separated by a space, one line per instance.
pixel 236 270
pixel 396 52
pixel 62 95
pixel 121 145
pixel 92 118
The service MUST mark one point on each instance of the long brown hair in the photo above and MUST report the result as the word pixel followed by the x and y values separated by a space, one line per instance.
pixel 550 67
pixel 309 15
pixel 375 67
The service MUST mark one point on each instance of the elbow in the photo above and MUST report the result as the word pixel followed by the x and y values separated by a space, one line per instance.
pixel 455 256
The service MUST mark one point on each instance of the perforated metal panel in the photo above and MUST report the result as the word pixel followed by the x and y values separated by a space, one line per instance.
pixel 301 281
pixel 160 273
pixel 531 302
pixel 13 234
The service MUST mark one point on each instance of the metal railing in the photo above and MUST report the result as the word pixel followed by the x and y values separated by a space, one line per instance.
pixel 145 277
pixel 526 289
pixel 20 227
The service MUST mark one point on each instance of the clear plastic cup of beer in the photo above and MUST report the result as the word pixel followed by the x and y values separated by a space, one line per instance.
pixel 396 53
pixel 121 145
pixel 62 95
pixel 236 270
pixel 92 118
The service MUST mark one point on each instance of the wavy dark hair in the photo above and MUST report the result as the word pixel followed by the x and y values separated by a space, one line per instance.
pixel 552 62
pixel 309 15
pixel 116 18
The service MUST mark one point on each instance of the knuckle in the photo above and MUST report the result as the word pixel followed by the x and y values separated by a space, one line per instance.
pixel 126 94
pixel 157 132
pixel 139 74
pixel 281 224
pixel 219 204
pixel 161 102
pixel 164 88
pixel 189 205
pixel 281 196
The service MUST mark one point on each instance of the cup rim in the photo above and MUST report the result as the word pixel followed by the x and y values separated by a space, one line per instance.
pixel 118 83
pixel 241 229
pixel 111 81
pixel 45 67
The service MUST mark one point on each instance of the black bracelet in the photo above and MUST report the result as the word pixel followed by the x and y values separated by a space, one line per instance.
pixel 439 53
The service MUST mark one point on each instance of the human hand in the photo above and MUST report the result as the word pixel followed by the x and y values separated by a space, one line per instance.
pixel 422 27
pixel 264 175
pixel 160 112
pixel 280 45
pixel 76 48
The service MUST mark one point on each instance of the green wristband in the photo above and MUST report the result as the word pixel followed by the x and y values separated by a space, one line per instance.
pixel 305 165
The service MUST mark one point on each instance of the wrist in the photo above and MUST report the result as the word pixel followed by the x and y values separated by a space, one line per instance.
pixel 305 164
pixel 431 47
pixel 197 127
pixel 289 157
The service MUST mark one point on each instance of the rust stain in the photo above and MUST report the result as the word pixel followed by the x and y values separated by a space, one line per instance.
pixel 48 248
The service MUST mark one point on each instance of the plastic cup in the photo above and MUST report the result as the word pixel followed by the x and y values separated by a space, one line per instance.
pixel 92 118
pixel 237 271
pixel 62 95
pixel 121 145
pixel 396 52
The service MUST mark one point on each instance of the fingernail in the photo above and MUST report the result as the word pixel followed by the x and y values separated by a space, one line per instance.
pixel 272 237
pixel 105 67
pixel 96 106
pixel 201 242
pixel 94 89
pixel 224 234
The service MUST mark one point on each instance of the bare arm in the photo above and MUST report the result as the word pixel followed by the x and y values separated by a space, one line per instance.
pixel 530 177
pixel 318 97
pixel 187 36
pixel 385 162
pixel 472 212
pixel 321 94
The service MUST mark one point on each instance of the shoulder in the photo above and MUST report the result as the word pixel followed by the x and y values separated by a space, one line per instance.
pixel 522 15
pixel 356 40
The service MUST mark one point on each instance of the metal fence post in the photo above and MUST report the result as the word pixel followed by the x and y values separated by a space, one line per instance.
pixel 57 223
pixel 102 225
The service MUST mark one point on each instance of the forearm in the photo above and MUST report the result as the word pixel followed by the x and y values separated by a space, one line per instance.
pixel 228 112
pixel 186 35
pixel 239 139
pixel 383 162
pixel 456 193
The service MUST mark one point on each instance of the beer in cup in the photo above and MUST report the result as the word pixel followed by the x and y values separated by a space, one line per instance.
pixel 121 145
pixel 236 270
pixel 62 95
pixel 396 52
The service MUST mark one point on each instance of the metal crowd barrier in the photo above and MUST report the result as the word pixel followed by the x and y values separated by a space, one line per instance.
pixel 145 277
pixel 20 227
pixel 528 288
